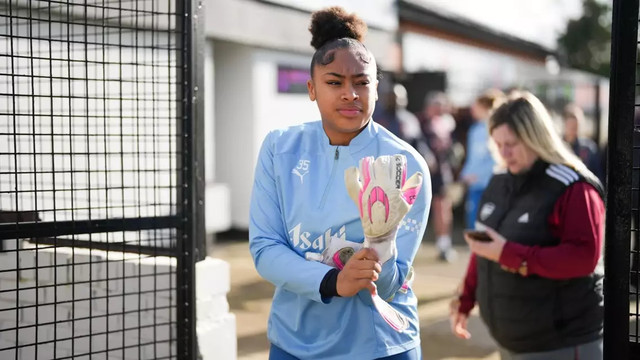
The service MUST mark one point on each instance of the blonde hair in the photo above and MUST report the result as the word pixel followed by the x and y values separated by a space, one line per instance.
pixel 491 99
pixel 527 117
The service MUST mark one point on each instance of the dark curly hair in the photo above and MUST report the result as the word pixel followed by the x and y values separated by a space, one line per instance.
pixel 333 28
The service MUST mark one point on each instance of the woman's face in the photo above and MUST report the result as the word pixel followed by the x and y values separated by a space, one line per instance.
pixel 346 92
pixel 478 112
pixel 570 129
pixel 517 156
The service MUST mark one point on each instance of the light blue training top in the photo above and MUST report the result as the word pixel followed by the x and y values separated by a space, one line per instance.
pixel 300 204
pixel 479 161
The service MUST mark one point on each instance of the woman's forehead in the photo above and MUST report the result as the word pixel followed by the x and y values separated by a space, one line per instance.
pixel 349 61
pixel 503 132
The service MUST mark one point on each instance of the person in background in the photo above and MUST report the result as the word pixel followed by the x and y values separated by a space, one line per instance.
pixel 478 166
pixel 395 117
pixel 537 278
pixel 585 148
pixel 437 125
pixel 387 108
pixel 335 265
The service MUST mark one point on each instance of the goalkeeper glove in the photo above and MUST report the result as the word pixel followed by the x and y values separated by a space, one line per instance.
pixel 383 196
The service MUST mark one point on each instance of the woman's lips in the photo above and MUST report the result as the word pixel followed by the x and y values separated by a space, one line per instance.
pixel 349 112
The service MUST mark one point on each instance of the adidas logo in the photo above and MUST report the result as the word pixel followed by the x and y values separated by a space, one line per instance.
pixel 524 218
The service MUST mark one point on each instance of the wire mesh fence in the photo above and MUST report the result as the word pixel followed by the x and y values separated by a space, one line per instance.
pixel 92 178
pixel 623 188
pixel 634 253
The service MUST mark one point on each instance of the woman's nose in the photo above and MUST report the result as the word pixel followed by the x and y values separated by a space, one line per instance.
pixel 349 93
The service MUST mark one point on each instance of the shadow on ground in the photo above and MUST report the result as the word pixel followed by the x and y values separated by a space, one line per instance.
pixel 439 343
pixel 240 295
pixel 250 344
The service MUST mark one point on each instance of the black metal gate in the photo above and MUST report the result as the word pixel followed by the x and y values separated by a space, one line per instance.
pixel 101 195
pixel 621 285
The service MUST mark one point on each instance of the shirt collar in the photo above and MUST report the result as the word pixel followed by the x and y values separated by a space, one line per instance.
pixel 537 168
pixel 358 143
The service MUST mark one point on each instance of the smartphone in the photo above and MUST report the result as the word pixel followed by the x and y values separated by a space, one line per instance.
pixel 478 235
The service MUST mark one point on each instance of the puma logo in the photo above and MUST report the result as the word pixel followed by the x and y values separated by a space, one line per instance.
pixel 301 175
pixel 301 170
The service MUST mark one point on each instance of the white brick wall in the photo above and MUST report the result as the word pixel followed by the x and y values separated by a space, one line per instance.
pixel 106 301
pixel 216 327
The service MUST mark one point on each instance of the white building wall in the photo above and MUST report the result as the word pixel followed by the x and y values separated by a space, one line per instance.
pixel 261 24
pixel 235 130
pixel 469 69
pixel 247 107
pixel 277 110
pixel 217 194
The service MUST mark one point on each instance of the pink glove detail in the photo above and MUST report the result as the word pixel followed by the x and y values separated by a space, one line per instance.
pixel 382 192
pixel 377 194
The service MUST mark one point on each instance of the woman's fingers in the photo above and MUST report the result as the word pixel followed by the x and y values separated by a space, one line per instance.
pixel 366 274
pixel 459 326
pixel 493 234
pixel 366 254
pixel 371 286
pixel 359 273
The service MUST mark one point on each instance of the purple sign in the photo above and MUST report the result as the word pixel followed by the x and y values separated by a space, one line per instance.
pixel 292 80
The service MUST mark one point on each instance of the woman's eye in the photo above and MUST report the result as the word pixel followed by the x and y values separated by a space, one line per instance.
pixel 333 82
pixel 363 83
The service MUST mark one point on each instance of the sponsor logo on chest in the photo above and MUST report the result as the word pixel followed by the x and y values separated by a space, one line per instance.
pixel 304 240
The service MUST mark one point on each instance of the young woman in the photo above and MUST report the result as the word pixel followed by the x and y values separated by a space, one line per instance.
pixel 478 166
pixel 329 262
pixel 537 279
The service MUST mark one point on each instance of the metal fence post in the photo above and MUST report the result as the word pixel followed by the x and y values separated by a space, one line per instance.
pixel 619 175
pixel 191 239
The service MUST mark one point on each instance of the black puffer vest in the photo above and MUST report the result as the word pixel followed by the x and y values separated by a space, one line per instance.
pixel 530 314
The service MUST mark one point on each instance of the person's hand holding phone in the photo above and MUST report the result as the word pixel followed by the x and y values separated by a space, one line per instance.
pixel 487 243
pixel 478 235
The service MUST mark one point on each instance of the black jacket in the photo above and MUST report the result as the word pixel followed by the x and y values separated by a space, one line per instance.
pixel 530 314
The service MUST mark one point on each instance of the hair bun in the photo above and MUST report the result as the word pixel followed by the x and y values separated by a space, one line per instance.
pixel 335 23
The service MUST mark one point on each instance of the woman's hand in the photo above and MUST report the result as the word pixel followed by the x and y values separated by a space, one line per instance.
pixel 470 179
pixel 458 321
pixel 359 273
pixel 490 250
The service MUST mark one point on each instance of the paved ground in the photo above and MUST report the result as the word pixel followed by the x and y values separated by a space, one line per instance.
pixel 250 300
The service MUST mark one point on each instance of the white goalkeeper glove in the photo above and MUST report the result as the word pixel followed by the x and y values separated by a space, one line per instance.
pixel 336 253
pixel 384 196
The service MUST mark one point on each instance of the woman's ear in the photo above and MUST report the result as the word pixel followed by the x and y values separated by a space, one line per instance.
pixel 312 90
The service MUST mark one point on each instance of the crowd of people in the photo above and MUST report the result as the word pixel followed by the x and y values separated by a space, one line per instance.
pixel 340 206
pixel 431 132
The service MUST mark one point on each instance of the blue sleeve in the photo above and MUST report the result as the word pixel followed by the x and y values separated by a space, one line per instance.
pixel 470 153
pixel 272 254
pixel 479 161
pixel 408 239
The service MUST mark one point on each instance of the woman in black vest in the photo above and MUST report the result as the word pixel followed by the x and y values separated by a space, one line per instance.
pixel 536 278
